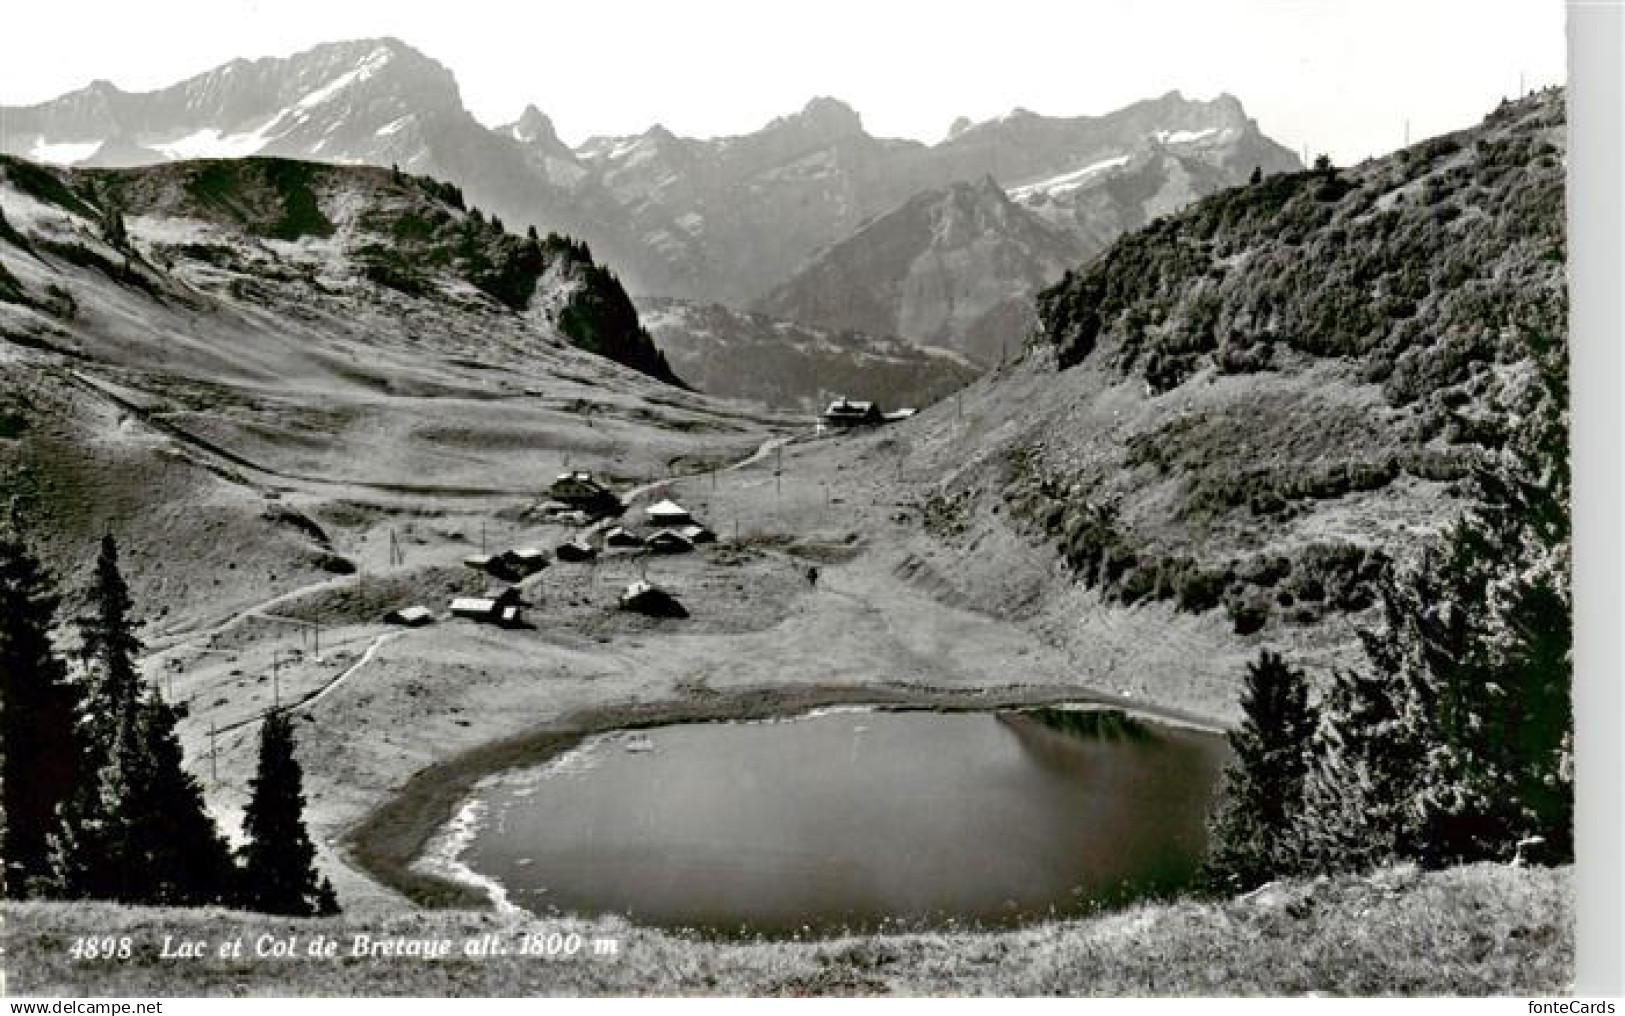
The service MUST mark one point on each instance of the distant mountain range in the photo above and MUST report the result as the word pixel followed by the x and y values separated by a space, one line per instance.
pixel 723 219
pixel 956 266
pixel 810 219
pixel 787 365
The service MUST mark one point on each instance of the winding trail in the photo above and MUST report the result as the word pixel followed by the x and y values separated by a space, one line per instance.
pixel 320 692
pixel 766 448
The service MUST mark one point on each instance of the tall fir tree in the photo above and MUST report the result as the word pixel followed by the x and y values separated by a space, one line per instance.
pixel 1255 831
pixel 110 648
pixel 143 834
pixel 164 845
pixel 41 758
pixel 279 861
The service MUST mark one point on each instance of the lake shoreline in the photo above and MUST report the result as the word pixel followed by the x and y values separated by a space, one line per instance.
pixel 390 843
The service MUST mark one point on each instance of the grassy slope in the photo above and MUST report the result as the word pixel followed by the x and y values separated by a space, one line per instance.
pixel 249 369
pixel 1485 930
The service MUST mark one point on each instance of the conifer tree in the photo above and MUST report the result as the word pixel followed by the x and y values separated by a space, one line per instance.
pixel 327 900
pixel 142 833
pixel 1456 745
pixel 279 861
pixel 1255 832
pixel 41 758
pixel 111 647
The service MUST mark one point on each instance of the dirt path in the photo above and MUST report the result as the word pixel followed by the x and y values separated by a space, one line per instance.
pixel 767 447
pixel 164 645
pixel 311 698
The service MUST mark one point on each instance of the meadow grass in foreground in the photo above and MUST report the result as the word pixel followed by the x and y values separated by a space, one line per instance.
pixel 1479 930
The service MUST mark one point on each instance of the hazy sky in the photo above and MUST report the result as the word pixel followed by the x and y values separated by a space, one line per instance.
pixel 1340 76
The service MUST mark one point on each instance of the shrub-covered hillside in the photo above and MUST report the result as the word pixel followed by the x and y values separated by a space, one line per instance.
pixel 1253 404
pixel 1426 268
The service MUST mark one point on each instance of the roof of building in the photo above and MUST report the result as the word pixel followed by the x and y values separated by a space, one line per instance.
pixel 845 407
pixel 473 604
pixel 528 553
pixel 666 507
pixel 578 475
pixel 649 598
pixel 412 613
pixel 669 536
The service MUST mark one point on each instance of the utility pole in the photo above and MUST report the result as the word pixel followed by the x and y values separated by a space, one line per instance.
pixel 276 679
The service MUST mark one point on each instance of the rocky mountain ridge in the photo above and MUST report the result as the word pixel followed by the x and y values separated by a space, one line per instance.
pixel 721 219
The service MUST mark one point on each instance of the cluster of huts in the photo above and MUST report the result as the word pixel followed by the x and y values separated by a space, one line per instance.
pixel 670 529
pixel 577 498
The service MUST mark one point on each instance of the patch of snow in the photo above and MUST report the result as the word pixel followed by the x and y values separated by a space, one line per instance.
pixel 63 153
pixel 393 126
pixel 693 222
pixel 209 143
pixel 598 147
pixel 370 66
pixel 1068 181
pixel 1181 137
pixel 636 154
